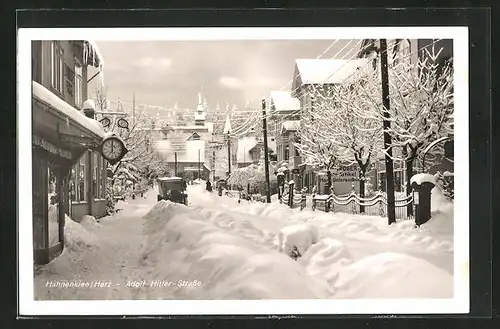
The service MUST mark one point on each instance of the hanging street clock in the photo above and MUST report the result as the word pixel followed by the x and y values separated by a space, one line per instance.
pixel 113 149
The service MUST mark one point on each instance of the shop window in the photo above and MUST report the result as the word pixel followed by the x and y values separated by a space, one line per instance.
pixel 73 191
pixel 102 190
pixel 82 179
pixel 53 207
pixel 57 66
pixel 95 176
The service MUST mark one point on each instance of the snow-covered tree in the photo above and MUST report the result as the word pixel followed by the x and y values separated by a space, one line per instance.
pixel 421 104
pixel 137 138
pixel 316 139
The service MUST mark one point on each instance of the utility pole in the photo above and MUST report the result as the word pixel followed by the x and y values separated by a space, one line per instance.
pixel 175 163
pixel 389 166
pixel 266 156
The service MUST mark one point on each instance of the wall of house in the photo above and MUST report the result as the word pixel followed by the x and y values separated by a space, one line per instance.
pixel 72 54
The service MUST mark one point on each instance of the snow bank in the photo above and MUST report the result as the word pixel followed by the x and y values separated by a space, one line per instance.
pixel 90 222
pixel 77 237
pixel 296 239
pixel 326 258
pixel 393 275
pixel 442 214
pixel 187 246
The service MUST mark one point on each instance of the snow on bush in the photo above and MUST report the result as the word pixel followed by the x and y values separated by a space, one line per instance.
pixel 393 275
pixel 77 237
pixel 187 246
pixel 326 258
pixel 422 178
pixel 90 222
pixel 296 239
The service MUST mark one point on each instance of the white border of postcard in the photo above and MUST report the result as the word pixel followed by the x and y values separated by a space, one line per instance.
pixel 458 304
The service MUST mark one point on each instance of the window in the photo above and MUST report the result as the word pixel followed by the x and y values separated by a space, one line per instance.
pixel 36 60
pixel 69 82
pixel 102 190
pixel 296 151
pixel 78 84
pixel 95 175
pixel 82 179
pixel 73 191
pixel 287 153
pixel 53 207
pixel 57 66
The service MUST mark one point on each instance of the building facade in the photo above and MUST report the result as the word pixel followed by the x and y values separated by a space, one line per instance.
pixel 66 168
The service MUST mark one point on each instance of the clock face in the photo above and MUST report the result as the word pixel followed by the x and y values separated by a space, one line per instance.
pixel 112 148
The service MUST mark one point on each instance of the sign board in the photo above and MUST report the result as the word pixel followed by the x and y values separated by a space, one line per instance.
pixel 86 141
pixel 347 174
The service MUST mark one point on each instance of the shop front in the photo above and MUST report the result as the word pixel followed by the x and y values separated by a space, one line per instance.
pixel 61 136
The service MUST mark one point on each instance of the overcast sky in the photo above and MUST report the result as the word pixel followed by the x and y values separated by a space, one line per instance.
pixel 164 72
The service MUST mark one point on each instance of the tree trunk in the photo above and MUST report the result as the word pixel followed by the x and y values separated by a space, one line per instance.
pixel 409 174
pixel 362 173
pixel 328 182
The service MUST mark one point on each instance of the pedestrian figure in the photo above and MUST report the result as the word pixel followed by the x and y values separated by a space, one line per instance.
pixel 209 186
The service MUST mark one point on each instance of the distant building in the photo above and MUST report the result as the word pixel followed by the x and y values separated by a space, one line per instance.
pixel 249 150
pixel 188 144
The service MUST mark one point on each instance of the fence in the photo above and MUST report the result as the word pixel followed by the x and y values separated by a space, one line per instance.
pixel 352 204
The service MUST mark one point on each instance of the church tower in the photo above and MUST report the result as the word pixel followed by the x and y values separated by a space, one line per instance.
pixel 200 114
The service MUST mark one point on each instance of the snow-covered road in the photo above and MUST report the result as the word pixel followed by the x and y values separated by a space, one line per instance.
pixel 217 248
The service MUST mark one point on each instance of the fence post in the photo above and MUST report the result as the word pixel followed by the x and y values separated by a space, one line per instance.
pixel 290 193
pixel 302 201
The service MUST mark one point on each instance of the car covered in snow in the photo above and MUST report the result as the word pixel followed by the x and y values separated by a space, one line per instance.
pixel 173 189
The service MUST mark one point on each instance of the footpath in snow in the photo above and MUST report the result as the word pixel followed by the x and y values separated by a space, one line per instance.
pixel 217 248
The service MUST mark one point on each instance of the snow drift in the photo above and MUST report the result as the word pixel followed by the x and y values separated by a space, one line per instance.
pixel 77 237
pixel 393 275
pixel 179 245
pixel 296 239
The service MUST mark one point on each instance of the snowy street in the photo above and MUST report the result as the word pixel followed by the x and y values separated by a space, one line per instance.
pixel 218 249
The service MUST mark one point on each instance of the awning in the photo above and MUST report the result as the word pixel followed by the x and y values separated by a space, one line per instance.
pixel 60 128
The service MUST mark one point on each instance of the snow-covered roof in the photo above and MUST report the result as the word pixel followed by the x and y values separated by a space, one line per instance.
pixel 326 71
pixel 247 144
pixel 291 125
pixel 187 151
pixel 283 101
pixel 46 96
pixel 169 178
pixel 244 146
pixel 190 128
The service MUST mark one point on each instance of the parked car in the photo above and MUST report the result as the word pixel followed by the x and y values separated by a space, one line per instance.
pixel 173 189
